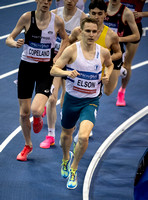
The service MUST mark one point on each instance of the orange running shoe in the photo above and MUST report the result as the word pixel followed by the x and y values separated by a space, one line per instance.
pixel 37 124
pixel 22 156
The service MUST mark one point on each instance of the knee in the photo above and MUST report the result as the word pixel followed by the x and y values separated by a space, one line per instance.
pixel 108 91
pixel 52 101
pixel 83 140
pixel 37 111
pixel 24 116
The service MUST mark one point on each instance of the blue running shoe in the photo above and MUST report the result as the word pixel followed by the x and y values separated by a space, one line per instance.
pixel 66 166
pixel 72 180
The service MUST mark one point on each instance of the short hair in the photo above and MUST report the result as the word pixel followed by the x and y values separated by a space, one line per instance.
pixel 100 4
pixel 88 20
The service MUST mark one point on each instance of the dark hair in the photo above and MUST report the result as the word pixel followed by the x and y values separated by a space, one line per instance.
pixel 88 20
pixel 100 4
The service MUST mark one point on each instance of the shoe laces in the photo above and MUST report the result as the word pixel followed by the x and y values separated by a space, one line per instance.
pixel 72 174
pixel 65 164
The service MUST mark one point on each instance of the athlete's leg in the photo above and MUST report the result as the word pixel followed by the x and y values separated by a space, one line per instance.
pixel 51 104
pixel 25 105
pixel 113 80
pixel 38 104
pixel 66 140
pixel 131 49
pixel 82 144
pixel 52 114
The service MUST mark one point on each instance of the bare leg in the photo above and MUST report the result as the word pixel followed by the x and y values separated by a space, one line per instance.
pixel 129 55
pixel 25 105
pixel 51 105
pixel 66 140
pixel 82 144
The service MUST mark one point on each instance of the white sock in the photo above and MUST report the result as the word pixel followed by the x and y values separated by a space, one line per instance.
pixel 51 132
pixel 76 137
pixel 123 72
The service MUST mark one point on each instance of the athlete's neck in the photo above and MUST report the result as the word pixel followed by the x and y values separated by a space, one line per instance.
pixel 69 13
pixel 113 8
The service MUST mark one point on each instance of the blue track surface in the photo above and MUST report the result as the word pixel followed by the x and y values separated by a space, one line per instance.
pixel 39 178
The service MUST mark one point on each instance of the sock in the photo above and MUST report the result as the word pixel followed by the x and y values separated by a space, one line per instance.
pixel 123 72
pixel 51 132
pixel 76 138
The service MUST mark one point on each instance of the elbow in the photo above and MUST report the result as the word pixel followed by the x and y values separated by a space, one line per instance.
pixel 52 72
pixel 107 92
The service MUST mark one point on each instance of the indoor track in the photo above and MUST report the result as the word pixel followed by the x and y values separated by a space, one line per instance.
pixel 39 178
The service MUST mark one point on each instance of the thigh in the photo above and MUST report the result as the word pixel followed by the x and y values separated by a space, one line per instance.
pixel 89 113
pixel 131 49
pixel 85 128
pixel 70 112
pixel 43 79
pixel 26 80
pixel 39 102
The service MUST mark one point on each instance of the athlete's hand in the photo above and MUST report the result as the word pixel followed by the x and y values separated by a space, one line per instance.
pixel 105 79
pixel 19 43
pixel 73 73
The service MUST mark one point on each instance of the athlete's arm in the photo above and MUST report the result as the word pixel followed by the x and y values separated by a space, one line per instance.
pixel 106 60
pixel 115 46
pixel 68 56
pixel 140 14
pixel 61 30
pixel 128 17
pixel 22 23
pixel 74 36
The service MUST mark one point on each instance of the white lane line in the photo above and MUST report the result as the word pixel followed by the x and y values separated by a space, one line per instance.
pixel 140 64
pixel 15 132
pixel 16 70
pixel 16 4
pixel 5 36
pixel 98 155
pixel 8 73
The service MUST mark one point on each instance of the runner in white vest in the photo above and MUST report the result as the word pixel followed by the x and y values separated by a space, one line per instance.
pixel 71 16
pixel 80 4
pixel 84 61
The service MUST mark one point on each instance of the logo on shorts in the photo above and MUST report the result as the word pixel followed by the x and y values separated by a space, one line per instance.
pixel 46 91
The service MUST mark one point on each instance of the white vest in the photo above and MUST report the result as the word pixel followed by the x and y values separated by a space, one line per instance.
pixel 88 84
pixel 80 4
pixel 38 43
pixel 69 25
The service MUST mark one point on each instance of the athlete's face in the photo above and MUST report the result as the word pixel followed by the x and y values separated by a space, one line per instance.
pixel 89 33
pixel 98 14
pixel 70 4
pixel 44 5
pixel 114 2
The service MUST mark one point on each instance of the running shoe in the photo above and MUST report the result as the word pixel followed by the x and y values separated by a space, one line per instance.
pixel 44 113
pixel 37 124
pixel 49 141
pixel 121 98
pixel 72 182
pixel 22 156
pixel 66 166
